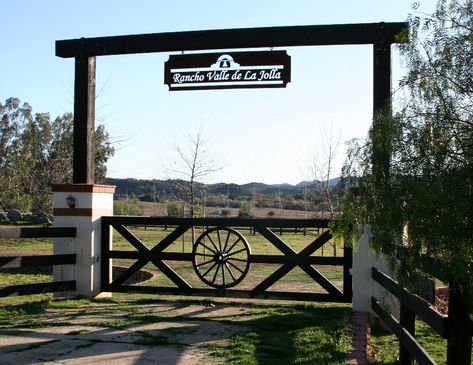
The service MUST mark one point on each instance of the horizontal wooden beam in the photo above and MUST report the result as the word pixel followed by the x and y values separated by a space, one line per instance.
pixel 420 307
pixel 289 36
pixel 255 259
pixel 230 293
pixel 405 338
pixel 217 222
pixel 37 232
pixel 38 288
pixel 11 262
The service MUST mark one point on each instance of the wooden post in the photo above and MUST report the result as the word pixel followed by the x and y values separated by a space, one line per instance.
pixel 84 120
pixel 459 327
pixel 408 321
pixel 347 276
pixel 381 103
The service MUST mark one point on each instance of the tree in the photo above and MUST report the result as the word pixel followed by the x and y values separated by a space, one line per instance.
pixel 193 164
pixel 424 203
pixel 36 152
pixel 246 210
pixel 174 209
pixel 127 208
pixel 323 162
pixel 12 120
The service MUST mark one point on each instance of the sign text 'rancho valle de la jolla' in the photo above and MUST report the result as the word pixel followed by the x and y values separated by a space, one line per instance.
pixel 228 70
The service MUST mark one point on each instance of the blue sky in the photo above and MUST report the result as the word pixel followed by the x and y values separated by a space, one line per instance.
pixel 257 134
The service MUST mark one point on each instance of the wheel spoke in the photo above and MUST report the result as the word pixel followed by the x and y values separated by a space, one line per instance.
pixel 219 241
pixel 211 267
pixel 212 242
pixel 233 245
pixel 215 275
pixel 234 253
pixel 223 275
pixel 226 241
pixel 236 267
pixel 205 263
pixel 230 271
pixel 208 248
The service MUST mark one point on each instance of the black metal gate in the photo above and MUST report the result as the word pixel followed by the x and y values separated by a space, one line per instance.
pixel 222 257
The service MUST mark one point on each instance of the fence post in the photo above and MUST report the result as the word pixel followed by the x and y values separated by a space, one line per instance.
pixel 81 206
pixel 407 319
pixel 347 268
pixel 459 326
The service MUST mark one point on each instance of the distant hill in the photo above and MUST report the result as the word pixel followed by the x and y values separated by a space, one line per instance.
pixel 168 188
pixel 332 182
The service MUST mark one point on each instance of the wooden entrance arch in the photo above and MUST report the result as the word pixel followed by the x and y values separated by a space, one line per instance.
pixel 85 50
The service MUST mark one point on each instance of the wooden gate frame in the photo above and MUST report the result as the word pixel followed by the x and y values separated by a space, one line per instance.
pixel 85 50
pixel 287 258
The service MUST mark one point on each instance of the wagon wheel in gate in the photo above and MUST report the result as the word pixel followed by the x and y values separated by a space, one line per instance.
pixel 221 257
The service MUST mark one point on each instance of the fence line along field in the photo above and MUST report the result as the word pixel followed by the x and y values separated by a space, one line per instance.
pixel 160 209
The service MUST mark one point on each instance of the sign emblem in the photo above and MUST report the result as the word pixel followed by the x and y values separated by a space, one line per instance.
pixel 228 70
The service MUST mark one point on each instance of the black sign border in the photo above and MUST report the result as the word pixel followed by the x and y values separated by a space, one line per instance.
pixel 252 58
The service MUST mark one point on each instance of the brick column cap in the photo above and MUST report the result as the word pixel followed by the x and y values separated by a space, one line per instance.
pixel 83 188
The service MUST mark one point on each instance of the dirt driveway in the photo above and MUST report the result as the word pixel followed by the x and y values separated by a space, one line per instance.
pixel 153 333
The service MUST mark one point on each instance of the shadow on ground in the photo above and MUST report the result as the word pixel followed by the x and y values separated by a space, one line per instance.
pixel 157 332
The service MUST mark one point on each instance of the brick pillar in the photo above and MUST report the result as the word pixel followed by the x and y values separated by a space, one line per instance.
pixel 87 204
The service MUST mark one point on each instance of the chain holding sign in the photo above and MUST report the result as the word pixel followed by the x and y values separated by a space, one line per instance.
pixel 229 70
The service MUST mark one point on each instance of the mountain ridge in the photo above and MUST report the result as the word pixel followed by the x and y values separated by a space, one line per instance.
pixel 167 188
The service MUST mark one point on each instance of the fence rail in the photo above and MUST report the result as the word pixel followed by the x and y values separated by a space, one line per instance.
pixel 405 337
pixel 15 262
pixel 412 305
pixel 37 232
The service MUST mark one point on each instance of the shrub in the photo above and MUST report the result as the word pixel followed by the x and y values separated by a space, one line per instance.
pixel 23 203
pixel 174 209
pixel 127 208
pixel 246 210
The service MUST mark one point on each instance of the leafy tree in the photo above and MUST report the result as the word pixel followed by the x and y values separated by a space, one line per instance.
pixel 174 209
pixel 246 210
pixel 12 117
pixel 127 208
pixel 424 204
pixel 36 152
pixel 103 151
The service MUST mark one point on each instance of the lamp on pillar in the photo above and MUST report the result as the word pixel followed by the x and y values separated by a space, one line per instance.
pixel 71 202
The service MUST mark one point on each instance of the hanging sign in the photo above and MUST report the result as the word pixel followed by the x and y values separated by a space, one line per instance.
pixel 229 70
